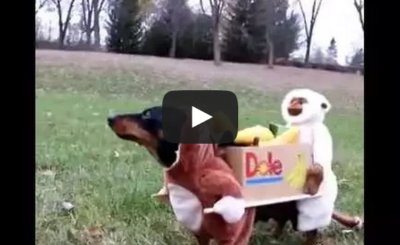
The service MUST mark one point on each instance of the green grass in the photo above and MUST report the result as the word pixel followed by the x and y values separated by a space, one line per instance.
pixel 79 160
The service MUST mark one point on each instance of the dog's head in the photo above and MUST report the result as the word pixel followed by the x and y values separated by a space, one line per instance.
pixel 145 129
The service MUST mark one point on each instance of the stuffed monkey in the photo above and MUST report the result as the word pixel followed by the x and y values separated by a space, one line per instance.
pixel 306 109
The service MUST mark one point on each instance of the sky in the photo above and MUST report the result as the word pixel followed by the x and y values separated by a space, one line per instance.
pixel 337 18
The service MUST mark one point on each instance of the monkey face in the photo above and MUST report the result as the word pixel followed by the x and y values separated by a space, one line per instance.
pixel 303 106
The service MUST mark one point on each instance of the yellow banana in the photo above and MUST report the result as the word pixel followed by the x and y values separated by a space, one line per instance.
pixel 247 135
pixel 297 177
pixel 290 136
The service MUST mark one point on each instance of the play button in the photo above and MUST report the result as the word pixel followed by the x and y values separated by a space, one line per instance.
pixel 199 117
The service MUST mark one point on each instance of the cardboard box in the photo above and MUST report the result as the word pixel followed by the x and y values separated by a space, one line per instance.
pixel 270 174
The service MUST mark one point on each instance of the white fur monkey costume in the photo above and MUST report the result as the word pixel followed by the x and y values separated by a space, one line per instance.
pixel 306 109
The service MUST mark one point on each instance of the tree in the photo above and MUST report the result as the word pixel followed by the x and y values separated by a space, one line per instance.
pixel 236 40
pixel 259 31
pixel 286 34
pixel 357 59
pixel 194 42
pixel 38 29
pixel 156 40
pixel 39 5
pixel 332 52
pixel 168 29
pixel 124 27
pixel 90 19
pixel 74 35
pixel 309 28
pixel 318 56
pixel 176 16
pixel 217 7
pixel 359 5
pixel 200 41
pixel 63 24
pixel 269 14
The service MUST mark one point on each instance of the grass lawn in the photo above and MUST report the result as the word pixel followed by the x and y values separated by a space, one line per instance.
pixel 109 181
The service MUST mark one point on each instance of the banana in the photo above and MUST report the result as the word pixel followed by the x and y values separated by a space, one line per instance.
pixel 247 135
pixel 297 177
pixel 290 136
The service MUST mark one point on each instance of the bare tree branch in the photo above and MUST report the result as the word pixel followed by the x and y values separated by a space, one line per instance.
pixel 202 7
pixel 304 17
pixel 315 13
pixel 90 17
pixel 359 5
pixel 309 28
pixel 63 24
pixel 101 7
pixel 41 5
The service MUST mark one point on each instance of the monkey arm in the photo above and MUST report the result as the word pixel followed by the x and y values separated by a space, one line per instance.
pixel 322 150
pixel 322 146
pixel 222 184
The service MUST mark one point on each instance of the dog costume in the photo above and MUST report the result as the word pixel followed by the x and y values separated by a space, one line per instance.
pixel 206 197
pixel 306 110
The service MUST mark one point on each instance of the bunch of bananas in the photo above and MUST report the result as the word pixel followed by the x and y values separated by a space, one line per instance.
pixel 290 136
pixel 246 136
pixel 297 177
pixel 266 137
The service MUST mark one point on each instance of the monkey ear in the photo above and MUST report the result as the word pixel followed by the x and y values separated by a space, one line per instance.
pixel 326 106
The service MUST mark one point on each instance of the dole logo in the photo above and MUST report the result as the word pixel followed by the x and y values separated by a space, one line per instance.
pixel 268 169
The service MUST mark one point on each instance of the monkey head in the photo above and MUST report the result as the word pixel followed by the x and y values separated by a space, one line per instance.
pixel 303 106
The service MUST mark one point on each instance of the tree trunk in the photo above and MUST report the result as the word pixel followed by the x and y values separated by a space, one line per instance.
pixel 49 33
pixel 270 51
pixel 61 36
pixel 96 28
pixel 309 31
pixel 307 56
pixel 216 47
pixel 309 40
pixel 172 49
pixel 88 38
pixel 361 20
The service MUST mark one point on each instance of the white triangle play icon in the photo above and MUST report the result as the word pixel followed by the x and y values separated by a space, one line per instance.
pixel 199 117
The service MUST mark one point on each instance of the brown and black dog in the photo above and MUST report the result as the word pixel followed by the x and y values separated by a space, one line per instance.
pixel 145 129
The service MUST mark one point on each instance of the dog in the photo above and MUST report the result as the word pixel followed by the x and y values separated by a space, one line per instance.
pixel 145 129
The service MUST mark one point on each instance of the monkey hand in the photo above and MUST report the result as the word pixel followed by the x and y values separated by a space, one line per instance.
pixel 231 209
pixel 314 178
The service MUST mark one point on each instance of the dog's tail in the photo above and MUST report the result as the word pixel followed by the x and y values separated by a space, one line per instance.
pixel 347 220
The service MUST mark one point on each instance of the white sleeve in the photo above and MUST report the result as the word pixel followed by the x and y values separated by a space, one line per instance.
pixel 322 146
